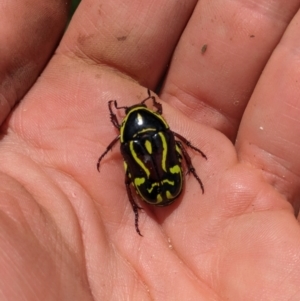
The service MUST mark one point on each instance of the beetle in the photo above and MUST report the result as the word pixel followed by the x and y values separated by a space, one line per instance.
pixel 152 156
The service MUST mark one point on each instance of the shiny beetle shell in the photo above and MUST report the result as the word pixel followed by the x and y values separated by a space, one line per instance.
pixel 152 156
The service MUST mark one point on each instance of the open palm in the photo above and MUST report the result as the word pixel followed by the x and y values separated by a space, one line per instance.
pixel 67 231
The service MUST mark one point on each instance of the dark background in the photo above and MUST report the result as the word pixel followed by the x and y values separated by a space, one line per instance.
pixel 74 5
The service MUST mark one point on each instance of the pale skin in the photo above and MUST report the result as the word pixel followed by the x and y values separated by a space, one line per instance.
pixel 67 231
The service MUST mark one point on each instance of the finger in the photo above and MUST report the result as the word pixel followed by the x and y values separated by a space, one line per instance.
pixel 134 37
pixel 270 129
pixel 213 86
pixel 29 32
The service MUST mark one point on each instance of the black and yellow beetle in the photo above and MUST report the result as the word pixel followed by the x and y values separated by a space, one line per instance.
pixel 152 156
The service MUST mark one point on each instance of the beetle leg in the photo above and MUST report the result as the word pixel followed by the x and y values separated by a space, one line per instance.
pixel 149 96
pixel 191 168
pixel 113 116
pixel 110 146
pixel 156 104
pixel 189 144
pixel 134 205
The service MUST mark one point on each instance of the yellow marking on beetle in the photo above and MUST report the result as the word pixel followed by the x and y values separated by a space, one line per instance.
pixel 159 183
pixel 169 195
pixel 139 181
pixel 148 146
pixel 159 198
pixel 152 186
pixel 175 169
pixel 165 150
pixel 138 160
pixel 144 131
pixel 125 165
pixel 178 150
pixel 168 181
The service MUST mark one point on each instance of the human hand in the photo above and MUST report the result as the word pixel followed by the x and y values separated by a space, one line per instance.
pixel 67 231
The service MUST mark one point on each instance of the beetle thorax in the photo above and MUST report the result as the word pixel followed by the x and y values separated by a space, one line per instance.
pixel 140 120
